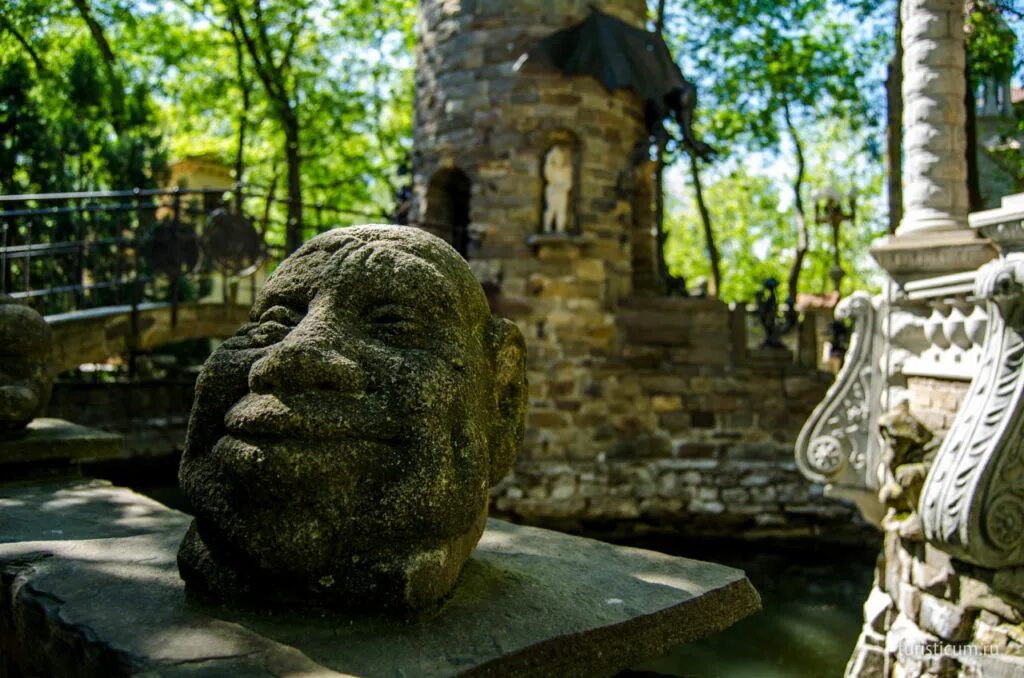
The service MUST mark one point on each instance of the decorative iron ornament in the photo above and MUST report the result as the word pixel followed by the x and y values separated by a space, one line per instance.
pixel 231 244
pixel 776 324
pixel 839 339
pixel 838 443
pixel 972 505
pixel 171 248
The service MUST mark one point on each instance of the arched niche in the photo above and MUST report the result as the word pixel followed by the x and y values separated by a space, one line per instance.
pixel 447 212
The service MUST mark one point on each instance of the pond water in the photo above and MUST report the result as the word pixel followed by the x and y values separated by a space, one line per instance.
pixel 811 595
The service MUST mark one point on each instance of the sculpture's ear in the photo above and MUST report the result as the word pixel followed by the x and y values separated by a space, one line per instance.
pixel 507 351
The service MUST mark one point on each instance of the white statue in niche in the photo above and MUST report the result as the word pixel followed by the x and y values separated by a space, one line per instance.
pixel 557 188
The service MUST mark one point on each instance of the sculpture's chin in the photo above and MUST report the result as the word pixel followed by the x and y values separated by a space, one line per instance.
pixel 18 401
pixel 395 576
pixel 302 506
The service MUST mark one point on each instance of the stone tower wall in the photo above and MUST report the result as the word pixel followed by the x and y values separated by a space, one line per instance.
pixel 475 113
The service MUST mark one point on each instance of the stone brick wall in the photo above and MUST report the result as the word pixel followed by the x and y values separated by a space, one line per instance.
pixel 935 402
pixel 930 615
pixel 683 430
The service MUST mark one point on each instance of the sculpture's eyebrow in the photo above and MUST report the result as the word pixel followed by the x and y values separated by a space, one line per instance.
pixel 274 298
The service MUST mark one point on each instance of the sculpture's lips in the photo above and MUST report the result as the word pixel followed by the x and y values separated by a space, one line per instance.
pixel 306 416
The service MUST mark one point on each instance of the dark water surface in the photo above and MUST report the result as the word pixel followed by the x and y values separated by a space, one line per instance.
pixel 811 595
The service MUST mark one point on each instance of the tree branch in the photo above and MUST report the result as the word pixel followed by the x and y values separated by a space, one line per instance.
pixel 23 41
pixel 96 30
pixel 265 75
pixel 294 28
pixel 709 234
pixel 798 202
pixel 109 61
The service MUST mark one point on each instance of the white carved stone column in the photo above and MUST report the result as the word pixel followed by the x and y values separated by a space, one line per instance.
pixel 935 140
pixel 933 237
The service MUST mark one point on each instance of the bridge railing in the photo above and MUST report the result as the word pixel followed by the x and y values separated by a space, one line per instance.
pixel 65 252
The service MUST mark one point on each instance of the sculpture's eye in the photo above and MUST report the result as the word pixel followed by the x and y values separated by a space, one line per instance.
pixel 275 323
pixel 282 315
pixel 394 321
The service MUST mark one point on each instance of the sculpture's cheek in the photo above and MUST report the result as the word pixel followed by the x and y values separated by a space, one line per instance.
pixel 423 385
pixel 223 381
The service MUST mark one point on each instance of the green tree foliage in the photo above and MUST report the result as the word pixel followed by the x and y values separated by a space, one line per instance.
pixel 330 98
pixel 756 230
pixel 991 39
pixel 68 121
pixel 771 76
pixel 309 101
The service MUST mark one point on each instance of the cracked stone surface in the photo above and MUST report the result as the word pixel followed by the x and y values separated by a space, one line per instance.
pixel 90 587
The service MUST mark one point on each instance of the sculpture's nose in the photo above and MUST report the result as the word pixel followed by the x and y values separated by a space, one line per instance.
pixel 305 361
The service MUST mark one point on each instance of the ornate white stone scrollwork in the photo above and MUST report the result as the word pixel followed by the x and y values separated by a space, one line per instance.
pixel 954 334
pixel 972 505
pixel 838 444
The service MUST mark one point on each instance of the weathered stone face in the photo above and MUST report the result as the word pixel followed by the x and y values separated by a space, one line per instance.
pixel 342 444
pixel 25 345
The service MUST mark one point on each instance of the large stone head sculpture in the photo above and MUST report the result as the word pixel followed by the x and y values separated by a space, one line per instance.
pixel 342 443
pixel 25 344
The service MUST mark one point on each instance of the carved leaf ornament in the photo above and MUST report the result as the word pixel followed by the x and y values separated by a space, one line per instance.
pixel 973 501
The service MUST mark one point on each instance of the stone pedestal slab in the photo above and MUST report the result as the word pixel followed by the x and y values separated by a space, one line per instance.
pixel 55 441
pixel 90 586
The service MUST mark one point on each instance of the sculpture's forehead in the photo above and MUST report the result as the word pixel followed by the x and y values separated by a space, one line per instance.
pixel 397 263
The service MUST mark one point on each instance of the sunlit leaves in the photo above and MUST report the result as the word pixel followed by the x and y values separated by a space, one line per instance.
pixel 754 61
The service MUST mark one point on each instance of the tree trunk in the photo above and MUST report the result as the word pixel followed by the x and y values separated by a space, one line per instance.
pixel 974 200
pixel 803 236
pixel 269 202
pixel 709 235
pixel 275 79
pixel 109 62
pixel 894 127
pixel 659 179
pixel 293 230
pixel 243 117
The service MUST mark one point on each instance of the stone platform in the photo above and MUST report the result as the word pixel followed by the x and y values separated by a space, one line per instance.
pixel 90 587
pixel 59 442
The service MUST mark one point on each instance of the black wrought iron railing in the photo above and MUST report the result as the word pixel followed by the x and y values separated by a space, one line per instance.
pixel 64 252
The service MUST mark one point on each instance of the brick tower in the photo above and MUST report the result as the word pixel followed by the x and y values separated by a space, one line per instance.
pixel 483 132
